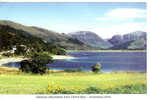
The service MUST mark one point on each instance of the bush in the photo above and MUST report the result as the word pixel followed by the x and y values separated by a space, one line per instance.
pixel 79 69
pixel 36 64
pixel 70 70
pixel 61 52
pixel 74 70
pixel 96 68
pixel 8 54
pixel 128 89
pixel 92 90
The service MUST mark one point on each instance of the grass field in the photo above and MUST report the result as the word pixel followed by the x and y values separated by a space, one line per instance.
pixel 14 82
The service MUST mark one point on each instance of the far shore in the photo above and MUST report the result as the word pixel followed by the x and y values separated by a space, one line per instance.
pixel 106 50
pixel 62 57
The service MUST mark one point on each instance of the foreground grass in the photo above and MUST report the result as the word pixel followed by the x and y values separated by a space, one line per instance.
pixel 14 82
pixel 127 89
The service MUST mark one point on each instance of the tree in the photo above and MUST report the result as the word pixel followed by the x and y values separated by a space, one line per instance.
pixel 26 66
pixel 37 64
pixel 61 52
pixel 21 50
pixel 96 68
pixel 7 40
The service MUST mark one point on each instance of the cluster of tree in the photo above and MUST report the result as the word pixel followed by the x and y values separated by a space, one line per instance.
pixel 36 64
pixel 25 43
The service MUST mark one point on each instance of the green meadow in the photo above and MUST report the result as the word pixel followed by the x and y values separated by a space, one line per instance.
pixel 12 81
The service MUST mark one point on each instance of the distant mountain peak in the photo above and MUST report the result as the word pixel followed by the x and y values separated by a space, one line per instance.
pixel 131 40
pixel 90 38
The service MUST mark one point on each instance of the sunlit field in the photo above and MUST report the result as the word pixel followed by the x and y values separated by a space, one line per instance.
pixel 14 82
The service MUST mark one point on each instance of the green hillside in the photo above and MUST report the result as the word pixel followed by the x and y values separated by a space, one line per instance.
pixel 47 35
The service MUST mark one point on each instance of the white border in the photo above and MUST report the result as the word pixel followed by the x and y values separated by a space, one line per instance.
pixel 148 48
pixel 113 96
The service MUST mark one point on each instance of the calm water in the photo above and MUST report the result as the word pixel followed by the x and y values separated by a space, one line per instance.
pixel 110 61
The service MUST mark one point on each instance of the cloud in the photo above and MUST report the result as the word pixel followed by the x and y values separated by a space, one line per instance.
pixel 121 24
pixel 123 14
pixel 124 22
pixel 103 31
pixel 109 31
pixel 127 13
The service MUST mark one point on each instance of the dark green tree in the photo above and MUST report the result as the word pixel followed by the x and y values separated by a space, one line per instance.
pixel 96 68
pixel 21 50
pixel 37 64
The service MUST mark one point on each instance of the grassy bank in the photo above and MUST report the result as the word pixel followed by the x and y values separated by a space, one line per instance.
pixel 14 82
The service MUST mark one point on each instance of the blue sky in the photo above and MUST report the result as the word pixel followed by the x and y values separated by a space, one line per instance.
pixel 105 19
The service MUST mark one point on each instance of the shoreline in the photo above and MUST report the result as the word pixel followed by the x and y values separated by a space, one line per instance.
pixel 62 57
pixel 6 68
pixel 10 60
pixel 6 60
pixel 106 50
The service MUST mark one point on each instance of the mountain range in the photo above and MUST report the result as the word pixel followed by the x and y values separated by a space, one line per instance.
pixel 90 38
pixel 133 40
pixel 80 40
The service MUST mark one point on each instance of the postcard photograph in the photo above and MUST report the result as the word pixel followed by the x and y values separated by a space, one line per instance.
pixel 73 48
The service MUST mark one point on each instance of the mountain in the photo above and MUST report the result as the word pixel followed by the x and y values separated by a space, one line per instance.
pixel 116 39
pixel 49 36
pixel 134 36
pixel 91 39
pixel 133 40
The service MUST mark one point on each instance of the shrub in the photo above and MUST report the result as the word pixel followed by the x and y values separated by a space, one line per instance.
pixel 61 52
pixel 70 70
pixel 96 68
pixel 92 90
pixel 36 64
pixel 79 69
pixel 128 89
pixel 8 54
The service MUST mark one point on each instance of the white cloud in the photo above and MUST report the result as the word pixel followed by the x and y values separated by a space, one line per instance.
pixel 103 31
pixel 127 13
pixel 123 17
pixel 109 31
pixel 123 14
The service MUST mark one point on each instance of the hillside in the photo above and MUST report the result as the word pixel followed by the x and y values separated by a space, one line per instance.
pixel 47 35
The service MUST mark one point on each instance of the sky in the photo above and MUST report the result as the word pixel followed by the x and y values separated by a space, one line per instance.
pixel 105 19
